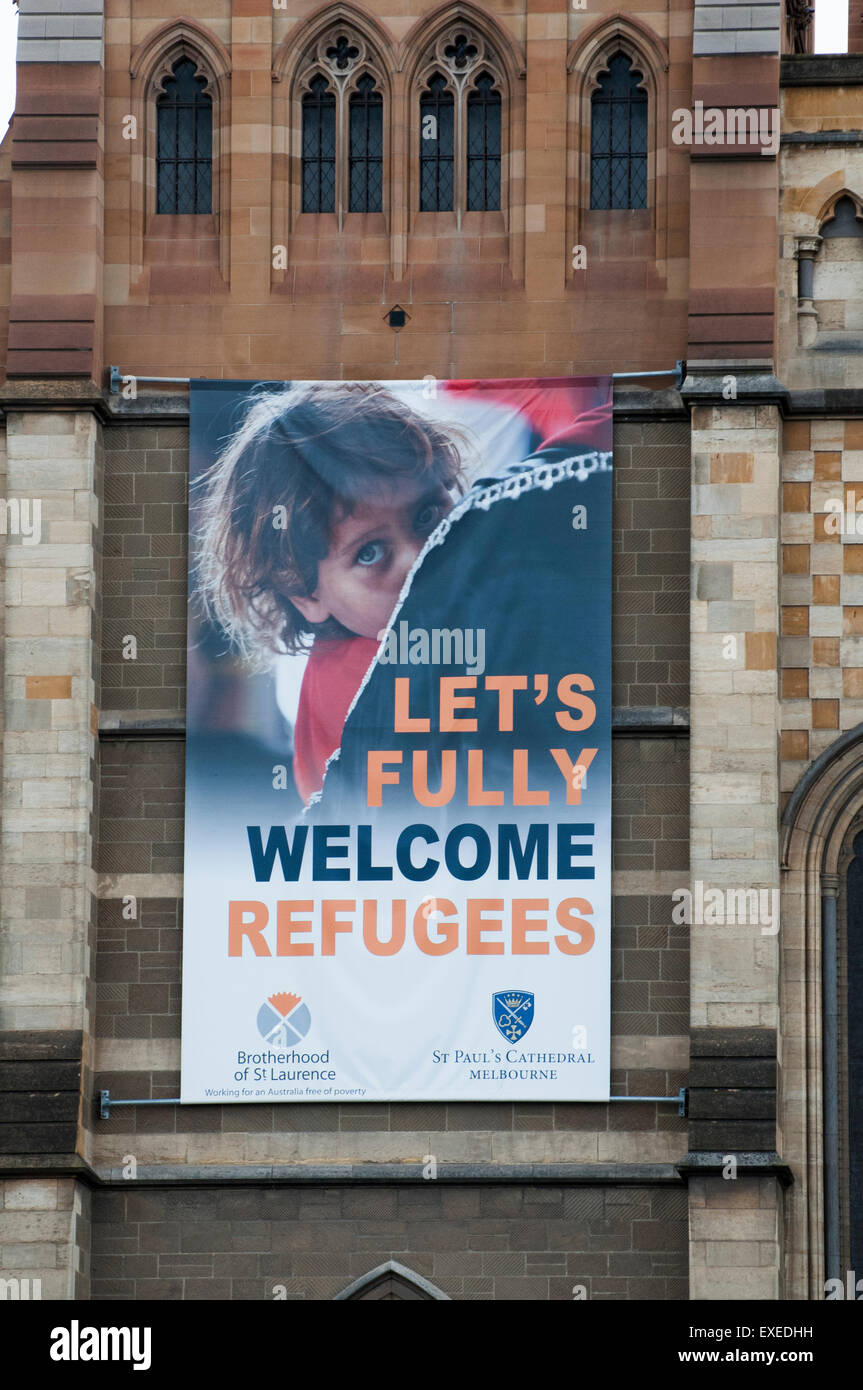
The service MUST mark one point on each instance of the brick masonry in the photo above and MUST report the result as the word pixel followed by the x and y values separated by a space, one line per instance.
pixel 144 576
pixel 40 1091
pixel 472 1242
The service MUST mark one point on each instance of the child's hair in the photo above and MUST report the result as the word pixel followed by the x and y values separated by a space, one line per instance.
pixel 299 463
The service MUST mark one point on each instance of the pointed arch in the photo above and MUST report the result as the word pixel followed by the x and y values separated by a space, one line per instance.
pixel 461 42
pixel 587 61
pixel 307 33
pixel 392 1280
pixel 828 211
pixel 153 58
pixel 807 208
pixel 150 65
pixel 591 50
pixel 342 44
pixel 430 28
pixel 823 817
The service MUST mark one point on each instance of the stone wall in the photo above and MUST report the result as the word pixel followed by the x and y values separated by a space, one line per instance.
pixel 45 1237
pixel 473 1242
pixel 139 961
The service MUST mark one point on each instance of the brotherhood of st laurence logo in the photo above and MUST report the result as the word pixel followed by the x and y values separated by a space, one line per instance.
pixel 512 1010
pixel 284 1020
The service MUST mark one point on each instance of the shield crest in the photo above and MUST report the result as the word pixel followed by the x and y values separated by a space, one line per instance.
pixel 512 1010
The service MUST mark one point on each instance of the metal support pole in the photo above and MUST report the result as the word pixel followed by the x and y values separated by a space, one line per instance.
pixel 117 377
pixel 106 1104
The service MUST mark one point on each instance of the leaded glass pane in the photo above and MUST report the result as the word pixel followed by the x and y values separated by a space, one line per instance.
pixel 620 182
pixel 167 187
pixel 366 148
pixel 599 182
pixel 319 144
pixel 311 124
pixel 184 143
pixel 436 147
pixel 638 114
pixel 203 190
pixel 618 138
pixel 483 146
pixel 204 133
pixel 638 182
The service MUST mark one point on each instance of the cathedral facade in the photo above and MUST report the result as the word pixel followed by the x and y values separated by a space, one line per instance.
pixel 672 194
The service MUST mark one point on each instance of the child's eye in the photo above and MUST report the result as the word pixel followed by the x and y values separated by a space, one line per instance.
pixel 370 554
pixel 428 516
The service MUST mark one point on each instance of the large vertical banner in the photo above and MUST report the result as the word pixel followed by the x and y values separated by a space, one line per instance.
pixel 398 832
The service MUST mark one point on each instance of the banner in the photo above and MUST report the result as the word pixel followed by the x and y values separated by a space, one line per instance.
pixel 398 832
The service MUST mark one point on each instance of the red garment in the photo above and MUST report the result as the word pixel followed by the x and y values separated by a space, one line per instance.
pixel 576 412
pixel 333 675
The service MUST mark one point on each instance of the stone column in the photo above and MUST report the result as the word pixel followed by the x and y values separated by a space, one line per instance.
pixel 545 151
pixel 251 138
pixel 807 317
pixel 50 675
pixel 46 926
pixel 44 1239
pixel 735 1177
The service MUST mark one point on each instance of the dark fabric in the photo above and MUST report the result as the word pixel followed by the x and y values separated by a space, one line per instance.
pixel 539 588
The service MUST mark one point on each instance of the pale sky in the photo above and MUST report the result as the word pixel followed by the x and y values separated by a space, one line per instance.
pixel 831 36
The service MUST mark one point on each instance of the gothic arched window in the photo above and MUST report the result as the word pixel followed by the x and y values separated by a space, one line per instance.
pixel 845 222
pixel 341 90
pixel 184 143
pixel 618 138
pixel 462 90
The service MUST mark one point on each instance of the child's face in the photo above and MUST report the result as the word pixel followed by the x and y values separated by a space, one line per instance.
pixel 371 552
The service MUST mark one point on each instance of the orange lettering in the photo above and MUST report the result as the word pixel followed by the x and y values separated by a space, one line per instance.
pixel 568 920
pixel 566 688
pixel 376 778
pixel 522 924
pixel 521 792
pixel 421 778
pixel 370 928
pixel 450 702
pixel 476 924
pixel 574 773
pixel 506 687
pixel 476 793
pixel 331 923
pixel 404 722
pixel 285 928
pixel 422 917
pixel 254 930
